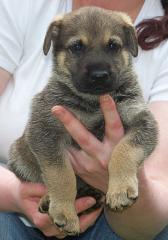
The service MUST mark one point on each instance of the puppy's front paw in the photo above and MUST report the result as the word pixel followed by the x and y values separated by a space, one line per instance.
pixel 64 217
pixel 44 204
pixel 121 195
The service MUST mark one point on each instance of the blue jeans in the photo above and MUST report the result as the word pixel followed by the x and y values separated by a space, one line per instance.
pixel 12 228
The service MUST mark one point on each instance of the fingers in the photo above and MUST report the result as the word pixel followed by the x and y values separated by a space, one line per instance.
pixel 54 231
pixel 33 189
pixel 88 142
pixel 84 203
pixel 88 220
pixel 45 224
pixel 32 192
pixel 113 125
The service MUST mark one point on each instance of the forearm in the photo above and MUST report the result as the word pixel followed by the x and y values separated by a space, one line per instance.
pixel 4 79
pixel 8 185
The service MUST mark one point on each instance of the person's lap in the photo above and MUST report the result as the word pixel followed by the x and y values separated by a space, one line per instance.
pixel 12 228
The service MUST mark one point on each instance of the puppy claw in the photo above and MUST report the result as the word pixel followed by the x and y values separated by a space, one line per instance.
pixel 60 221
pixel 44 204
pixel 42 209
pixel 121 198
pixel 65 218
pixel 69 226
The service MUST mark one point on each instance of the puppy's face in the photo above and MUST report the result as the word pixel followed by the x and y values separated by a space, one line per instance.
pixel 92 46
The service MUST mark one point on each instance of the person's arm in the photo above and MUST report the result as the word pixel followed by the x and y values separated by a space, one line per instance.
pixel 24 198
pixel 8 185
pixel 5 76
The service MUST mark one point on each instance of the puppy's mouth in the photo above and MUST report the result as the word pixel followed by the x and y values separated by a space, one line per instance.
pixel 96 87
pixel 94 90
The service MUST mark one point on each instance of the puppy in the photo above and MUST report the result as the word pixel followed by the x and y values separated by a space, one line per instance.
pixel 92 56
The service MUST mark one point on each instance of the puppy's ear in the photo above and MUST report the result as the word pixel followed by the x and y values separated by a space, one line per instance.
pixel 52 34
pixel 131 40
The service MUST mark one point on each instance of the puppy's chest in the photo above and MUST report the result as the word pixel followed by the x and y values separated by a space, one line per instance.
pixel 94 122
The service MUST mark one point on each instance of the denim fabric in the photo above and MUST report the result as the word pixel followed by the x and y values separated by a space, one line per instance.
pixel 100 231
pixel 163 235
pixel 12 228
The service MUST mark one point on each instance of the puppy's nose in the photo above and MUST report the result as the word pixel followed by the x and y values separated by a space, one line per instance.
pixel 99 75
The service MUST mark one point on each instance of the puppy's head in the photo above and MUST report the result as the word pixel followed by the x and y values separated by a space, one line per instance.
pixel 93 47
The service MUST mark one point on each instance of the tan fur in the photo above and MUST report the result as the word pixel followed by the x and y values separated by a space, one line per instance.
pixel 123 182
pixel 113 38
pixel 61 211
pixel 127 19
pixel 125 57
pixel 58 18
pixel 62 61
pixel 107 36
pixel 81 37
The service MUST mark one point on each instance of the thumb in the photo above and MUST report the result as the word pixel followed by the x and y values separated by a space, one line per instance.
pixel 33 189
pixel 83 203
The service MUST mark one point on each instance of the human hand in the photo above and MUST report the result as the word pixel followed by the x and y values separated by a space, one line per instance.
pixel 91 162
pixel 149 215
pixel 27 198
pixel 96 154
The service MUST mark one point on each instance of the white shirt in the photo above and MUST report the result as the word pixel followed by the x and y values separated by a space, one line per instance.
pixel 22 31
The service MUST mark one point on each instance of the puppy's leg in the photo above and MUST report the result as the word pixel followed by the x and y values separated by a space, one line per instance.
pixel 123 182
pixel 61 183
pixel 23 162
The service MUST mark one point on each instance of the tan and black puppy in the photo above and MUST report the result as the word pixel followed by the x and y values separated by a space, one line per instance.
pixel 92 52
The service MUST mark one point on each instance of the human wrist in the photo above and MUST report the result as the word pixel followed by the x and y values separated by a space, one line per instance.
pixel 9 185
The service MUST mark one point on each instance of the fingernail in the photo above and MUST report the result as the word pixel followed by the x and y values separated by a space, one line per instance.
pixel 105 98
pixel 90 201
pixel 58 111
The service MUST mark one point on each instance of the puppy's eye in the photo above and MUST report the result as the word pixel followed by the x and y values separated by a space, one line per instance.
pixel 113 46
pixel 76 47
